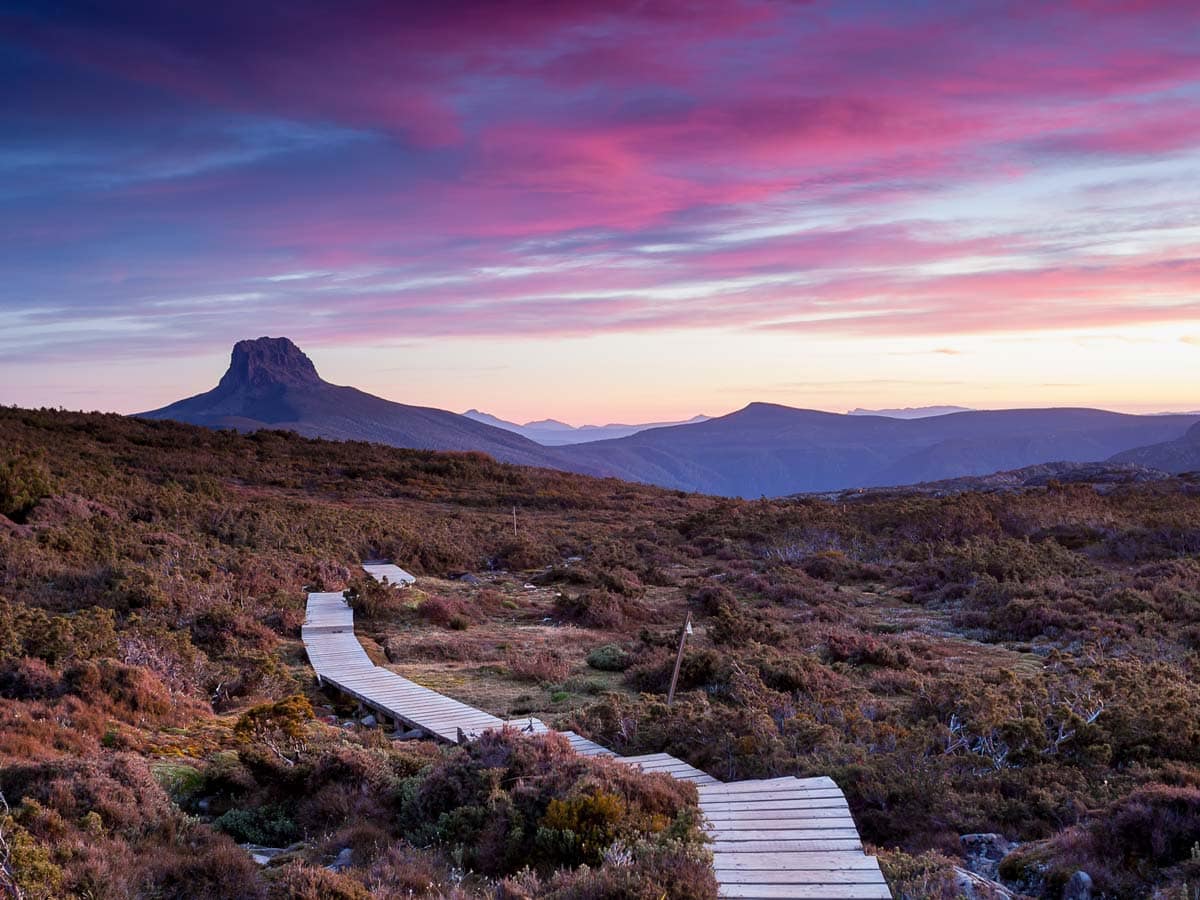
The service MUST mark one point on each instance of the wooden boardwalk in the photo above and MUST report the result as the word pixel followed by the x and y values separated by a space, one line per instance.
pixel 339 660
pixel 771 838
pixel 390 572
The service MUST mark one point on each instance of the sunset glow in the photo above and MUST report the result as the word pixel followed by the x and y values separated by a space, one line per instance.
pixel 600 211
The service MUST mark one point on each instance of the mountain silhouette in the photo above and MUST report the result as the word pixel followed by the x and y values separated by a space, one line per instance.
pixel 761 450
pixel 271 383
pixel 770 450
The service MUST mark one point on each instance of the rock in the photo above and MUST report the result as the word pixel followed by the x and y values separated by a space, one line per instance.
pixel 469 579
pixel 983 853
pixel 262 855
pixel 971 886
pixel 342 861
pixel 369 721
pixel 1079 887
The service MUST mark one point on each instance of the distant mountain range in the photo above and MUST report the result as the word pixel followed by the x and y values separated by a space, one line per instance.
pixel 910 412
pixel 772 450
pixel 552 433
pixel 762 450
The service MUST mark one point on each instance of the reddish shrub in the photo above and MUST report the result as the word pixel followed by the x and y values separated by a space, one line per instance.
pixel 445 612
pixel 543 666
pixel 297 881
pixel 1155 826
pixel 597 609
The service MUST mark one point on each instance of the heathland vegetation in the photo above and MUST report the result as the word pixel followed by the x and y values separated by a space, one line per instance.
pixel 1022 663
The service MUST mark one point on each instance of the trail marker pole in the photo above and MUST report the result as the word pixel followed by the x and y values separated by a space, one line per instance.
pixel 514 521
pixel 687 629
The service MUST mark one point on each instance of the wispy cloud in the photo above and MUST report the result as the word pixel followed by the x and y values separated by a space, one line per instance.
pixel 580 168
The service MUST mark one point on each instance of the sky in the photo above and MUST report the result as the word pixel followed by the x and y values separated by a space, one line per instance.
pixel 601 210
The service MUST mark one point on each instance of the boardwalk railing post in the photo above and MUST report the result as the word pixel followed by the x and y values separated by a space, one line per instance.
pixel 687 629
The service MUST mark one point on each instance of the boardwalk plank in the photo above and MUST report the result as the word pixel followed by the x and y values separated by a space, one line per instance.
pixel 822 891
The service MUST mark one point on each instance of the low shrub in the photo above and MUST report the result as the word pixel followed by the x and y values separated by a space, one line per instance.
pixel 297 881
pixel 542 666
pixel 270 826
pixel 608 658
pixel 928 876
pixel 597 609
pixel 505 801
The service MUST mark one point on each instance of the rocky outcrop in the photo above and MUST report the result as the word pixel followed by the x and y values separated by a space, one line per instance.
pixel 983 853
pixel 971 886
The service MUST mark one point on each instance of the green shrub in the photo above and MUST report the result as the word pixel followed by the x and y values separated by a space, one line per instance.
pixel 608 658
pixel 24 480
pixel 505 801
pixel 181 782
pixel 270 826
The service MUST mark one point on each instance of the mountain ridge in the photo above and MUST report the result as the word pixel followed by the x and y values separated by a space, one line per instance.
pixel 769 449
pixel 763 449
pixel 554 433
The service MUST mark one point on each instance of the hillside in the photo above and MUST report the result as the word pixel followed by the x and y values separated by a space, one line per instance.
pixel 770 450
pixel 1020 663
pixel 1177 456
pixel 270 383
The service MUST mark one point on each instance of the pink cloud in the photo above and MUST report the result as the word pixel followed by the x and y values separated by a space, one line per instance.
pixel 440 145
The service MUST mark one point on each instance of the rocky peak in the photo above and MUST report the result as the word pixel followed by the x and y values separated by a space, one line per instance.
pixel 268 361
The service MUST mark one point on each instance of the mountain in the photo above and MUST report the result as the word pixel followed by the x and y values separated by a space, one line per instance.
pixel 770 450
pixel 270 383
pixel 1177 456
pixel 762 450
pixel 553 433
pixel 910 412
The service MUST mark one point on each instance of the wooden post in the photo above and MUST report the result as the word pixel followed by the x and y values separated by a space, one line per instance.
pixel 514 521
pixel 687 627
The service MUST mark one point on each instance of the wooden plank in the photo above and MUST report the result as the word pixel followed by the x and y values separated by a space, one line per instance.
pixel 800 876
pixel 807 891
pixel 729 829
pixel 769 784
pixel 792 861
pixel 791 805
pixel 721 792
pixel 841 833
pixel 770 814
pixel 785 846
